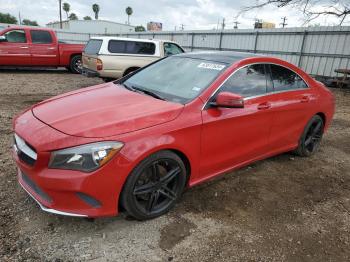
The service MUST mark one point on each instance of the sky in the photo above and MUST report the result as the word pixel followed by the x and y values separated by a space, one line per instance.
pixel 192 14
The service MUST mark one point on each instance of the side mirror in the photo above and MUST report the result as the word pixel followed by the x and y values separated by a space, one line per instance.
pixel 229 100
pixel 3 38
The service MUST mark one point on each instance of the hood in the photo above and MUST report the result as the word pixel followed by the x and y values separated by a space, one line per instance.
pixel 104 110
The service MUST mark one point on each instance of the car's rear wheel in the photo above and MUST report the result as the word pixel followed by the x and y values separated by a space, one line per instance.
pixel 311 138
pixel 76 65
pixel 154 186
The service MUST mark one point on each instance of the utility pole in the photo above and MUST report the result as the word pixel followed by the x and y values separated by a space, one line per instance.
pixel 182 26
pixel 236 24
pixel 223 24
pixel 283 24
pixel 175 28
pixel 19 17
pixel 60 3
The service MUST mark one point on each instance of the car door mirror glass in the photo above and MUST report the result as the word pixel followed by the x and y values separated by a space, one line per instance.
pixel 3 38
pixel 229 100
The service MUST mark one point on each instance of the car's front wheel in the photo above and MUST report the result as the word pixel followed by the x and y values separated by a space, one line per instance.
pixel 154 186
pixel 311 138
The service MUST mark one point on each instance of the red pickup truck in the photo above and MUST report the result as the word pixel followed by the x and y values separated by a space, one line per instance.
pixel 22 46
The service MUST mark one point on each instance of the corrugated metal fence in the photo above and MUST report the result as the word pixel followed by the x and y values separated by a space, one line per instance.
pixel 318 50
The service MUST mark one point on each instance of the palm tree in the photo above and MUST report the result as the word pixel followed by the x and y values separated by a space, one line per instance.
pixel 73 16
pixel 96 9
pixel 128 11
pixel 66 8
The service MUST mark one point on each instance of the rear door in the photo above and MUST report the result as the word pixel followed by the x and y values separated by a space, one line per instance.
pixel 15 50
pixel 43 48
pixel 90 54
pixel 292 103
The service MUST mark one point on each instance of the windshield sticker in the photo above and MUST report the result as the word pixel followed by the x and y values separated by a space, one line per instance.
pixel 197 89
pixel 211 66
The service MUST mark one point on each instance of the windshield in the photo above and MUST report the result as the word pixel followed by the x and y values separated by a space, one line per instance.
pixel 93 47
pixel 177 78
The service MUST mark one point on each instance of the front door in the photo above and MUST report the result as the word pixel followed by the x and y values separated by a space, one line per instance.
pixel 15 50
pixel 234 136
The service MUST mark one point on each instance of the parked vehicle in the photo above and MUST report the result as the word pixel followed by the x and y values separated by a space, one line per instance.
pixel 114 57
pixel 22 46
pixel 136 143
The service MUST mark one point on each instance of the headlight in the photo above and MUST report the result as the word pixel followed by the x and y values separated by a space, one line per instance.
pixel 84 158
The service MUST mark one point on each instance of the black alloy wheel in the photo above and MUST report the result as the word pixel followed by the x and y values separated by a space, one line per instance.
pixel 311 137
pixel 154 186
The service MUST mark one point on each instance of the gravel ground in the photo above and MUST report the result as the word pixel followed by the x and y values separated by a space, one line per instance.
pixel 285 208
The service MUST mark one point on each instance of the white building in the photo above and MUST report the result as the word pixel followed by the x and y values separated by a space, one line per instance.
pixel 93 26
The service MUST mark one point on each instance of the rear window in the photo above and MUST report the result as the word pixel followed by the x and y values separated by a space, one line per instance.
pixel 93 47
pixel 131 47
pixel 40 37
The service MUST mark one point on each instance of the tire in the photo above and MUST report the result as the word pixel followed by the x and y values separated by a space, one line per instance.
pixel 311 137
pixel 154 186
pixel 75 65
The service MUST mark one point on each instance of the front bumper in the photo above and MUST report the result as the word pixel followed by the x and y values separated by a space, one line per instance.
pixel 67 192
pixel 49 210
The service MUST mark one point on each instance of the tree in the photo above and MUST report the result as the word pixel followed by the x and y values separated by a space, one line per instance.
pixel 7 19
pixel 66 8
pixel 29 22
pixel 140 28
pixel 311 9
pixel 87 18
pixel 128 11
pixel 73 16
pixel 96 9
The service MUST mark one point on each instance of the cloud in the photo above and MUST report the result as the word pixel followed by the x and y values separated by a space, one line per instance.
pixel 193 14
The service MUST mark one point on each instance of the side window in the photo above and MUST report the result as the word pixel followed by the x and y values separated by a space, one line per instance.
pixel 16 36
pixel 131 47
pixel 40 37
pixel 172 49
pixel 285 79
pixel 247 81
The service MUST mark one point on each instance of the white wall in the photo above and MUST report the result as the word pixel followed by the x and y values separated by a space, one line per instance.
pixel 94 27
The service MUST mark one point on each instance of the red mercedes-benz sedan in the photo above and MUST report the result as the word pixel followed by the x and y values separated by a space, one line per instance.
pixel 136 143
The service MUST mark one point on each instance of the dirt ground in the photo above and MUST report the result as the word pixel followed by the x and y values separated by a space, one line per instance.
pixel 285 208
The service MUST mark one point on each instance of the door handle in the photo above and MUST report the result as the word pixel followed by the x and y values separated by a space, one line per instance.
pixel 24 47
pixel 305 99
pixel 263 106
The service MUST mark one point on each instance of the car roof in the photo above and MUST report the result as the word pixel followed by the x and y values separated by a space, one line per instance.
pixel 227 57
pixel 130 39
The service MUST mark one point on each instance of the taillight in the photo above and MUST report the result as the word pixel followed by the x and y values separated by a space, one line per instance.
pixel 99 64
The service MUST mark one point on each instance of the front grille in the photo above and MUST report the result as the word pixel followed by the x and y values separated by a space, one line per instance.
pixel 25 152
pixel 30 183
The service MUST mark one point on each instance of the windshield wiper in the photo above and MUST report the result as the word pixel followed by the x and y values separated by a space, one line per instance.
pixel 128 87
pixel 148 92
